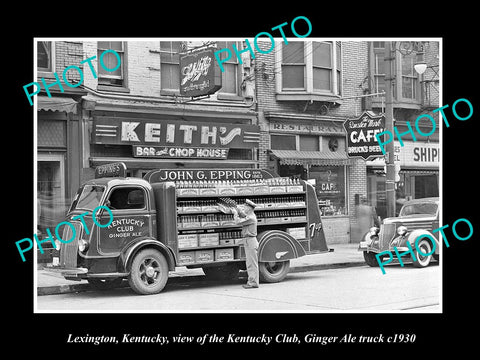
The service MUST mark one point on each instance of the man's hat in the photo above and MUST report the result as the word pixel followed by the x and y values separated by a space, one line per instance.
pixel 251 203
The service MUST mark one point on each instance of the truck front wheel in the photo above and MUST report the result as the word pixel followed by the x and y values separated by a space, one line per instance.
pixel 149 272
pixel 272 271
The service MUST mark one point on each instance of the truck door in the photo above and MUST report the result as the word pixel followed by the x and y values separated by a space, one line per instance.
pixel 131 218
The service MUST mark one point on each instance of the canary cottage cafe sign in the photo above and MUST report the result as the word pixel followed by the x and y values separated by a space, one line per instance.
pixel 175 139
pixel 361 140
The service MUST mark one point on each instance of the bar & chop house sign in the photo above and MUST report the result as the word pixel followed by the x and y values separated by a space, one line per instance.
pixel 361 140
pixel 175 139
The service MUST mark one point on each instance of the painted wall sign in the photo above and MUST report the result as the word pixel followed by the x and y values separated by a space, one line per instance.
pixel 198 73
pixel 178 152
pixel 320 128
pixel 154 176
pixel 414 154
pixel 361 140
pixel 123 131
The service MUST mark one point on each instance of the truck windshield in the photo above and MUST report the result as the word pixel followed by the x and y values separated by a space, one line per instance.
pixel 88 197
pixel 427 208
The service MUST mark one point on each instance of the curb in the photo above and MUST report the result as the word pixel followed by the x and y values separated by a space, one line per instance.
pixel 65 289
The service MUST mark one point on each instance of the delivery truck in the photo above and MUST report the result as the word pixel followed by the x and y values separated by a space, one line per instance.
pixel 171 218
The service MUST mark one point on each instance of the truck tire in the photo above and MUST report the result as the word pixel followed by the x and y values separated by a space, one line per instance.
pixel 104 284
pixel 148 272
pixel 370 258
pixel 423 260
pixel 226 272
pixel 271 272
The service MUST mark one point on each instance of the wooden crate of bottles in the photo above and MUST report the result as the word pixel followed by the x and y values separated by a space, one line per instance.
pixel 280 201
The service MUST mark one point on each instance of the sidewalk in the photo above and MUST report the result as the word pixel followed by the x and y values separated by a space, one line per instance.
pixel 344 255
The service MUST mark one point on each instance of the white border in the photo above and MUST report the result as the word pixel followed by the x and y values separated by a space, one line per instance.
pixel 343 39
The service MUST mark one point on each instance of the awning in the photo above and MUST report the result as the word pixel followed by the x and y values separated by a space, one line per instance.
pixel 319 158
pixel 56 103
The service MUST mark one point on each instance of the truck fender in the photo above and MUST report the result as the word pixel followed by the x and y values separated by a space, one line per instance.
pixel 277 245
pixel 128 253
pixel 412 236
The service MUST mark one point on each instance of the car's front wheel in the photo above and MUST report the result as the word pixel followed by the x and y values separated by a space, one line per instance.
pixel 371 259
pixel 422 260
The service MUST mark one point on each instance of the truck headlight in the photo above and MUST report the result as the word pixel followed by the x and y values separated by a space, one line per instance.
pixel 374 231
pixel 82 245
pixel 402 230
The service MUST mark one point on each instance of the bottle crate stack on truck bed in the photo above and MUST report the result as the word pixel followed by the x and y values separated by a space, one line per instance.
pixel 158 225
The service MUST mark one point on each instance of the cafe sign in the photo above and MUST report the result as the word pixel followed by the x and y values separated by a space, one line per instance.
pixel 361 140
pixel 198 73
pixel 169 133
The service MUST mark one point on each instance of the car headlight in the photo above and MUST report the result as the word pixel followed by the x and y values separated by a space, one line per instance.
pixel 82 245
pixel 402 230
pixel 374 231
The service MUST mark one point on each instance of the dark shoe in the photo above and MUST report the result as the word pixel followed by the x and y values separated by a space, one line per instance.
pixel 249 286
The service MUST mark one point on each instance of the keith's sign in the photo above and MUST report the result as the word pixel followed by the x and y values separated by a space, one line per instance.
pixel 109 130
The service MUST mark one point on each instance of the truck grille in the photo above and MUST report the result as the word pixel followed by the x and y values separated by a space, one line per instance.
pixel 387 232
pixel 68 251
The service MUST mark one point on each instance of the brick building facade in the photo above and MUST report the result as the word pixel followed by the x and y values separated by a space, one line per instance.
pixel 302 118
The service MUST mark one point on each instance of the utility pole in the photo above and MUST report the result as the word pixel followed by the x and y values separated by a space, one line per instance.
pixel 389 157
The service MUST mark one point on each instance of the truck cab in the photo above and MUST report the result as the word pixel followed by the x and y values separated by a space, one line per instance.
pixel 158 225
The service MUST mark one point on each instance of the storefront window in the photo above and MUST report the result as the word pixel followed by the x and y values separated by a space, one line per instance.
pixel 283 142
pixel 50 198
pixel 329 183
pixel 426 186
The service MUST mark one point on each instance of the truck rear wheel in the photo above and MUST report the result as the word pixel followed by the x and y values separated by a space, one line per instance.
pixel 148 272
pixel 273 271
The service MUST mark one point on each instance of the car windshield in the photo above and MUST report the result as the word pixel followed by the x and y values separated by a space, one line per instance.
pixel 88 197
pixel 428 208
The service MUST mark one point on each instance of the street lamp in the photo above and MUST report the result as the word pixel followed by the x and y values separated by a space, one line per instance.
pixel 405 48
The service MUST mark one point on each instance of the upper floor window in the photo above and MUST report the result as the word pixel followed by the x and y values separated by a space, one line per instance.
pixel 44 56
pixel 409 76
pixel 110 61
pixel 293 66
pixel 406 82
pixel 170 65
pixel 230 75
pixel 311 67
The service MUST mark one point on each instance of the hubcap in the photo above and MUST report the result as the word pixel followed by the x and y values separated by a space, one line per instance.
pixel 149 271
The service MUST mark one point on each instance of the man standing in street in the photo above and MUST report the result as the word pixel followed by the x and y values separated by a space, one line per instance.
pixel 244 215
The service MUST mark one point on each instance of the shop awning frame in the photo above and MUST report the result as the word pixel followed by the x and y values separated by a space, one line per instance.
pixel 56 103
pixel 317 158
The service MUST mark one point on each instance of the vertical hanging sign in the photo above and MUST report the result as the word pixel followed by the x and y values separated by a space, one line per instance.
pixel 361 140
pixel 198 73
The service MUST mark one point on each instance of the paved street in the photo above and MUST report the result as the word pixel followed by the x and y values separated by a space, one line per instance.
pixel 355 289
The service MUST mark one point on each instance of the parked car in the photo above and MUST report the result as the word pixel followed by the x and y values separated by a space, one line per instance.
pixel 417 217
